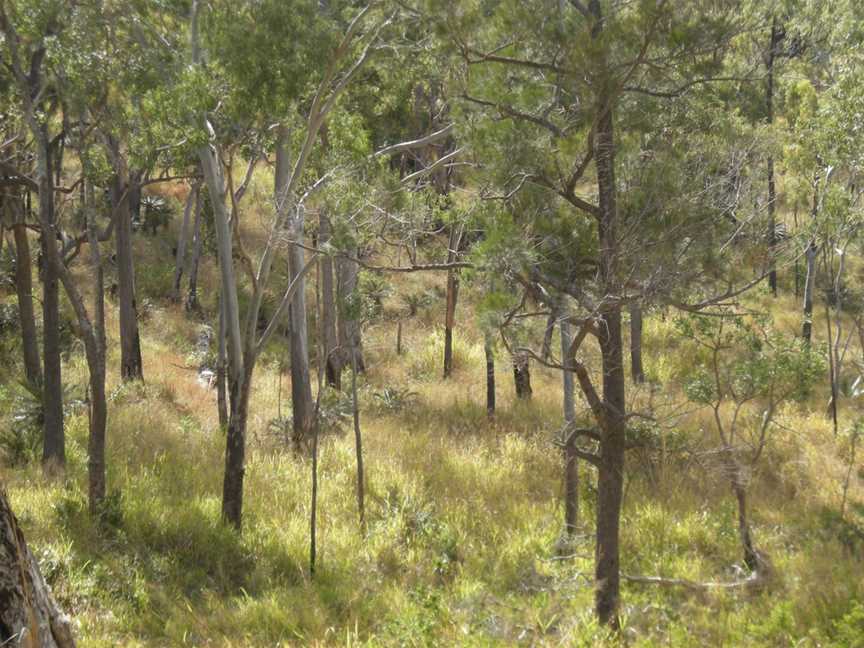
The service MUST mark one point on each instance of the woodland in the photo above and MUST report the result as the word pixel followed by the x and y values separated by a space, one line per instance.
pixel 431 323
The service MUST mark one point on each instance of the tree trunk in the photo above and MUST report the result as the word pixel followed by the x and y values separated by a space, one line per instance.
pixel 235 450
pixel 610 481
pixel 301 383
pixel 637 372
pixel 192 305
pixel 333 370
pixel 571 465
pixel 54 441
pixel 183 235
pixel 490 375
pixel 358 447
pixel 29 616
pixel 24 290
pixel 452 296
pixel 522 375
pixel 776 37
pixel 809 282
pixel 221 365
pixel 130 342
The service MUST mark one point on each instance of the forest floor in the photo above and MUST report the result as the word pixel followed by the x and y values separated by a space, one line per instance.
pixel 463 545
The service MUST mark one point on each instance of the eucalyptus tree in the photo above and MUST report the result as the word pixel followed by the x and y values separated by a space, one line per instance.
pixel 554 95
pixel 321 52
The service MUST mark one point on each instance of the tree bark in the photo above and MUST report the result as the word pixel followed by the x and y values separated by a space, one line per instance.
pixel 221 364
pixel 571 465
pixel 29 616
pixel 637 372
pixel 349 317
pixel 301 382
pixel 776 37
pixel 24 290
pixel 358 447
pixel 54 441
pixel 490 375
pixel 452 296
pixel 192 305
pixel 131 367
pixel 235 452
pixel 522 375
pixel 333 370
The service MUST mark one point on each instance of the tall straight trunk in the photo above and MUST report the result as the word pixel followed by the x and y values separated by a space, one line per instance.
pixel 192 304
pixel 183 235
pixel 350 340
pixel 571 465
pixel 522 375
pixel 24 290
pixel 833 368
pixel 29 615
pixel 637 372
pixel 490 375
pixel 610 480
pixel 452 296
pixel 54 440
pixel 330 339
pixel 130 343
pixel 776 37
pixel 810 280
pixel 301 382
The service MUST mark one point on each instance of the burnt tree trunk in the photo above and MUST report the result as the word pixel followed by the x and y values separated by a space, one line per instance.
pixel 29 616
pixel 571 465
pixel 235 451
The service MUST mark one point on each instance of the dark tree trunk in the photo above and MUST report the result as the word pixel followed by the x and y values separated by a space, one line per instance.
pixel 333 370
pixel 637 372
pixel 810 280
pixel 610 480
pixel 522 375
pixel 452 296
pixel 571 465
pixel 235 450
pixel 490 376
pixel 29 616
pixel 24 290
pixel 776 37
pixel 130 343
pixel 192 304
pixel 54 441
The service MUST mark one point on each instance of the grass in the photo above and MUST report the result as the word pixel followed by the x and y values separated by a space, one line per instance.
pixel 464 512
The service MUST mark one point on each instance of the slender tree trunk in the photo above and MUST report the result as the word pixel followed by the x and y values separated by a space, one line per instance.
pixel 571 465
pixel 192 304
pixel 130 343
pixel 358 447
pixel 24 290
pixel 546 349
pixel 522 375
pixel 637 372
pixel 180 258
pixel 810 280
pixel 235 453
pixel 333 370
pixel 490 375
pixel 54 441
pixel 29 616
pixel 452 296
pixel 833 371
pixel 301 382
pixel 776 37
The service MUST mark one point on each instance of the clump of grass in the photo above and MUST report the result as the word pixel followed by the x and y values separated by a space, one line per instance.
pixel 427 357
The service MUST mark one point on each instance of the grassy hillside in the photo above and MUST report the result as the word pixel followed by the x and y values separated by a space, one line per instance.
pixel 464 513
